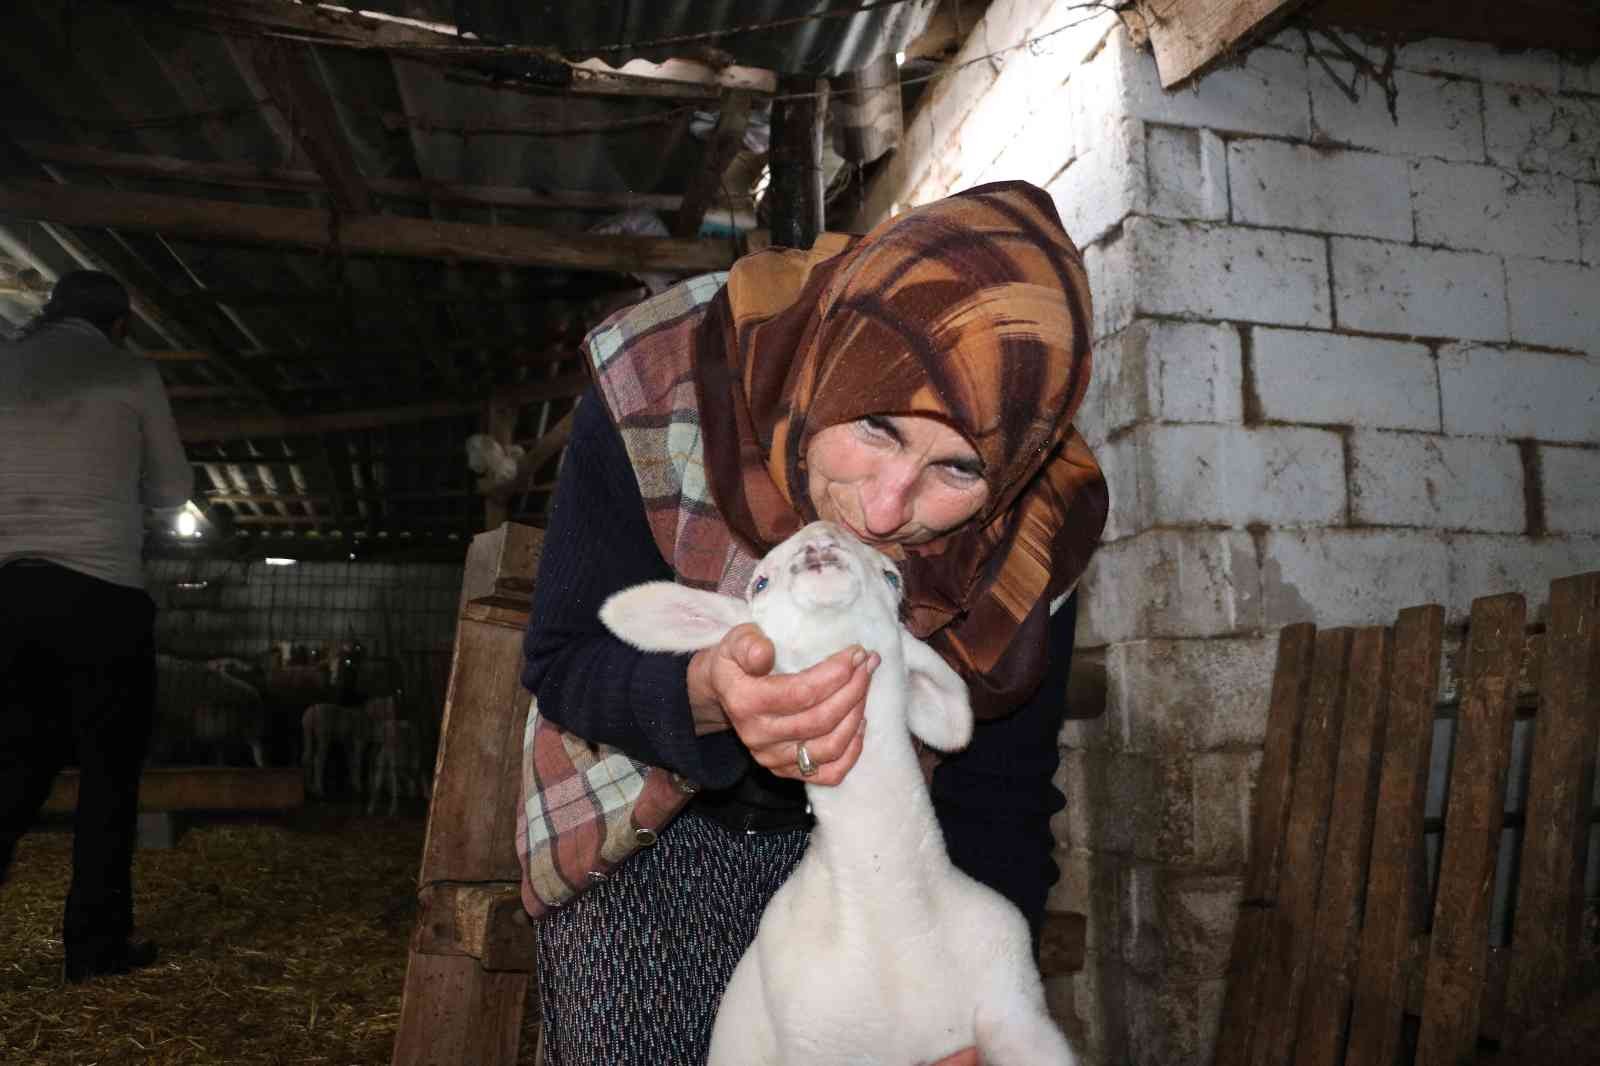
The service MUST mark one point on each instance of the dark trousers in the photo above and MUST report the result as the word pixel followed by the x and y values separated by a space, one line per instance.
pixel 77 684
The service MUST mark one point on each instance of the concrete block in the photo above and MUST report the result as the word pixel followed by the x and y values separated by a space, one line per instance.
pixel 1482 61
pixel 1393 288
pixel 1421 479
pixel 1214 271
pixel 1136 806
pixel 1170 372
pixel 1103 183
pixel 1109 264
pixel 1488 209
pixel 1571 478
pixel 1163 1022
pixel 1190 695
pixel 1296 186
pixel 1511 392
pixel 1531 130
pixel 1036 152
pixel 1332 379
pixel 1589 223
pixel 1119 464
pixel 1201 911
pixel 1074 825
pixel 1580 75
pixel 1486 565
pixel 1267 94
pixel 1188 173
pixel 1067 35
pixel 1224 790
pixel 1438 117
pixel 999 119
pixel 1172 583
pixel 1554 304
pixel 1209 999
pixel 1350 577
pixel 1230 475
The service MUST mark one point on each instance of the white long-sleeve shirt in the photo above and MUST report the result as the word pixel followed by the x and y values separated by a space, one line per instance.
pixel 87 442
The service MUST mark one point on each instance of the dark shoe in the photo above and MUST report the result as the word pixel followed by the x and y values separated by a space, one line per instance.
pixel 123 958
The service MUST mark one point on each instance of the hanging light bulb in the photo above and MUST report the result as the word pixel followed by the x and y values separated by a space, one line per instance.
pixel 186 525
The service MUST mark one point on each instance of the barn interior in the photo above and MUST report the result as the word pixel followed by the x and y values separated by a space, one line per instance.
pixel 356 238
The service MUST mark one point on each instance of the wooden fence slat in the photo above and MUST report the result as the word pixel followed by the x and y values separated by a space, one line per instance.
pixel 1473 817
pixel 1288 947
pixel 1392 913
pixel 1549 912
pixel 1291 680
pixel 1335 937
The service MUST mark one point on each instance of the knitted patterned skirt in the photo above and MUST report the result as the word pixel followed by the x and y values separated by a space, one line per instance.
pixel 631 971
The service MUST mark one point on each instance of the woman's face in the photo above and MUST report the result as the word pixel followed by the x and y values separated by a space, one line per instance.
pixel 895 479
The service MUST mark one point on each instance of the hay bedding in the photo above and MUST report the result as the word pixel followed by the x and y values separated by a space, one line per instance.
pixel 282 942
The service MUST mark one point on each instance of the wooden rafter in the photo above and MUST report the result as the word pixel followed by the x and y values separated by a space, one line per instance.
pixel 250 176
pixel 720 148
pixel 237 427
pixel 289 72
pixel 367 235
pixel 1190 35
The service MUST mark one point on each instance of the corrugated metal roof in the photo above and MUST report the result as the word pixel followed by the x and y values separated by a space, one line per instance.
pixel 822 37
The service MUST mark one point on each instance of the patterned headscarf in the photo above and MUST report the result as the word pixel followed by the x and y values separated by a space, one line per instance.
pixel 973 310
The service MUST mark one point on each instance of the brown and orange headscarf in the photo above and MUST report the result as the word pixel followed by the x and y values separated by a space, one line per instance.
pixel 973 310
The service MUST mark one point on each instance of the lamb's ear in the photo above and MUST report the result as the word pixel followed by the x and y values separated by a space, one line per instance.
pixel 662 616
pixel 938 709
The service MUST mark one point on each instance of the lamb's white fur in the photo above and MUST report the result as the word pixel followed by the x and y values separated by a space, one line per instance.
pixel 876 949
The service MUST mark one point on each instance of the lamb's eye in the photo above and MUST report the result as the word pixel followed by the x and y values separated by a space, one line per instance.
pixel 893 579
pixel 759 585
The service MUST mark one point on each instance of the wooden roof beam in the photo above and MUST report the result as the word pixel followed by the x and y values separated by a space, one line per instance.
pixel 237 427
pixel 1190 35
pixel 720 148
pixel 290 74
pixel 250 176
pixel 212 220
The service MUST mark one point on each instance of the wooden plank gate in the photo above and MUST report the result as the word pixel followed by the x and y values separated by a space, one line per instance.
pixel 1337 956
pixel 471 963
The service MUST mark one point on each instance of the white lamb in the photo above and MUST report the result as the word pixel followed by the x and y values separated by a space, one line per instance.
pixel 877 949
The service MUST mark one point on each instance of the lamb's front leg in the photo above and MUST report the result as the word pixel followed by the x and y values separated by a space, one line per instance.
pixel 742 1035
pixel 1015 1029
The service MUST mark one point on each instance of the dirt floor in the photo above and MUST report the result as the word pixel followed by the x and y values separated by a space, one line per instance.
pixel 283 940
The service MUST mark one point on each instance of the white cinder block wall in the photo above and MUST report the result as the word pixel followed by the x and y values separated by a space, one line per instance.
pixel 1346 363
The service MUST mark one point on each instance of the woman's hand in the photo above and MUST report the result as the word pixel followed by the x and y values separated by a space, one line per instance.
pixel 966 1057
pixel 822 707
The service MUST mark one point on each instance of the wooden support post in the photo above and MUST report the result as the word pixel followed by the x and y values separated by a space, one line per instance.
pixel 500 424
pixel 470 963
pixel 796 185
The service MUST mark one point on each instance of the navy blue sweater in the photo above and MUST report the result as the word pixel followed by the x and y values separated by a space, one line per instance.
pixel 994 800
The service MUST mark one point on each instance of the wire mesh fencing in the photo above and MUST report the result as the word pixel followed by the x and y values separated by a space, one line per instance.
pixel 245 647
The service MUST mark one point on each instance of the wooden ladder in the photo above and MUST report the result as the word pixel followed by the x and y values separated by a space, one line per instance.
pixel 1336 956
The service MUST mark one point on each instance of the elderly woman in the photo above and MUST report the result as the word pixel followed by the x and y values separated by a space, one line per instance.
pixel 916 385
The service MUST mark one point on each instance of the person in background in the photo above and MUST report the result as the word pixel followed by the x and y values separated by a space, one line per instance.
pixel 89 444
pixel 917 386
